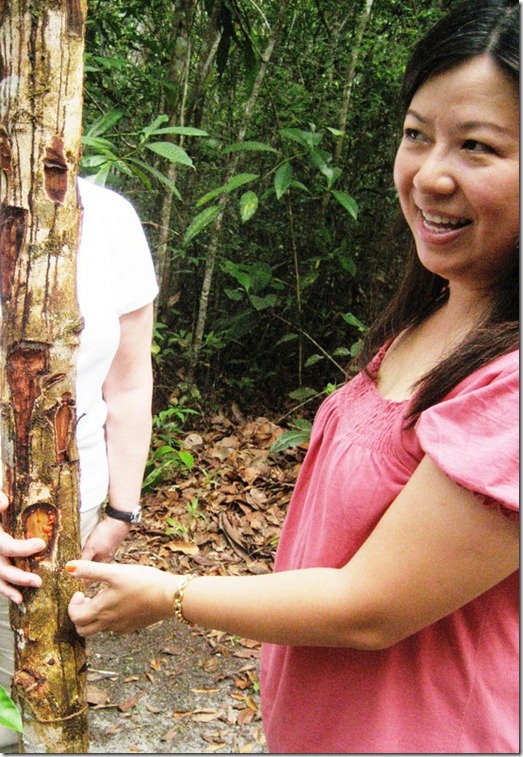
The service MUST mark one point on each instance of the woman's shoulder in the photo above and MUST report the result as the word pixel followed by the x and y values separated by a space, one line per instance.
pixel 500 370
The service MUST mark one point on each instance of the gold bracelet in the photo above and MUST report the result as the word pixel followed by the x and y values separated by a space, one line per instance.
pixel 178 600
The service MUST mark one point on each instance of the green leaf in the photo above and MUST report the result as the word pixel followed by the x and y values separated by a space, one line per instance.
pixel 199 223
pixel 100 143
pixel 332 175
pixel 262 303
pixel 298 185
pixel 348 264
pixel 234 183
pixel 101 176
pixel 313 360
pixel 234 294
pixel 242 278
pixel 186 131
pixel 92 161
pixel 171 152
pixel 251 146
pixel 291 337
pixel 186 458
pixel 282 179
pixel 152 128
pixel 248 205
pixel 295 135
pixel 303 424
pixel 303 393
pixel 305 138
pixel 240 180
pixel 158 175
pixel 288 439
pixel 104 123
pixel 9 715
pixel 351 319
pixel 336 132
pixel 346 201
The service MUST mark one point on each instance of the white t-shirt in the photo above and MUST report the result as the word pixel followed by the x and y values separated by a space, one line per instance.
pixel 115 276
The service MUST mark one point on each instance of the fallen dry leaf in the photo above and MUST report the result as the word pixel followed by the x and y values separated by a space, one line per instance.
pixel 129 704
pixel 96 696
pixel 170 735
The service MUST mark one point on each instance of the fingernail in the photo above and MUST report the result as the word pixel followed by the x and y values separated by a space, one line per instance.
pixel 70 568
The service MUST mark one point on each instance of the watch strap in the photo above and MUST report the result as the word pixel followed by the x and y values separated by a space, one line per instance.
pixel 128 516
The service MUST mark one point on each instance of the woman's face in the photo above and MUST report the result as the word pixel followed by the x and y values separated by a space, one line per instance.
pixel 457 172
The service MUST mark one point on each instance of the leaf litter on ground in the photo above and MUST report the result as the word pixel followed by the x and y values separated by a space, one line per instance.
pixel 189 690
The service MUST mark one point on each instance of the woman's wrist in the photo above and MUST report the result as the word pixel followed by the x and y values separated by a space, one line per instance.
pixel 178 600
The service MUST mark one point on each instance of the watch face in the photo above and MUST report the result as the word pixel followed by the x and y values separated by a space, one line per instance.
pixel 136 515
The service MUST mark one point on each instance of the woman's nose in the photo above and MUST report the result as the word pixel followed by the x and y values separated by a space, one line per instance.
pixel 435 175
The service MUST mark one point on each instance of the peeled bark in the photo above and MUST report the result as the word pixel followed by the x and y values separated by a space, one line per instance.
pixel 41 79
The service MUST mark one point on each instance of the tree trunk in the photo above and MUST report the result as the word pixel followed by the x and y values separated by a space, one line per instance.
pixel 212 249
pixel 350 76
pixel 41 64
pixel 181 113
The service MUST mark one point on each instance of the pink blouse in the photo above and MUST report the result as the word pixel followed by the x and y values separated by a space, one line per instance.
pixel 453 686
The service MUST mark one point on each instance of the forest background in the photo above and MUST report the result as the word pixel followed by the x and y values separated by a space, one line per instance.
pixel 256 139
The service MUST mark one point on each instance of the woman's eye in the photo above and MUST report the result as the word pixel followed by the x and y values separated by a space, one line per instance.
pixel 413 135
pixel 474 146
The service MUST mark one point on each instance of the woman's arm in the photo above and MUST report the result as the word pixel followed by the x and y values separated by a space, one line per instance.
pixel 127 391
pixel 435 549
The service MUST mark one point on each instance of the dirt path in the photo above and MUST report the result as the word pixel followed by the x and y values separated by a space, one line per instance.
pixel 172 689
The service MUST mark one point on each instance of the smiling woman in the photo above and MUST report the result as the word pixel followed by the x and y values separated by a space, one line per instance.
pixel 391 620
pixel 457 165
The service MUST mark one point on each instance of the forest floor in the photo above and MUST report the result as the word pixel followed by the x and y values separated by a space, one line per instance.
pixel 171 688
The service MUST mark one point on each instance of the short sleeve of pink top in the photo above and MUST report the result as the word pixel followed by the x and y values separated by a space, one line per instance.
pixel 452 687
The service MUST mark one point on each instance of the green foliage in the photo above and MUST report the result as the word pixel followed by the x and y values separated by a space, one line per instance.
pixel 167 458
pixel 299 434
pixel 104 156
pixel 9 714
pixel 306 252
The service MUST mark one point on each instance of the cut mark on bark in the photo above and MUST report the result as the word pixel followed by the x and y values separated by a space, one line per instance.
pixel 5 143
pixel 55 171
pixel 26 364
pixel 64 429
pixel 13 227
pixel 41 520
pixel 75 18
pixel 29 679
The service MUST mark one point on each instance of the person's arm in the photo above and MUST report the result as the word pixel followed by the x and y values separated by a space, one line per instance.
pixel 127 391
pixel 435 549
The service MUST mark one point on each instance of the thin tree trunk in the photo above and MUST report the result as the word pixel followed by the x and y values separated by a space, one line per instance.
pixel 349 79
pixel 231 170
pixel 181 114
pixel 41 56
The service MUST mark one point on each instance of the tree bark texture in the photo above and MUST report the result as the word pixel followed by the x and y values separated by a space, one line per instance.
pixel 41 80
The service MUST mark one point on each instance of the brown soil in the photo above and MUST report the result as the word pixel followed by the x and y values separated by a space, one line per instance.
pixel 172 689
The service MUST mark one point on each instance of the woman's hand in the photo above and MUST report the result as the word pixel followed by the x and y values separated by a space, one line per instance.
pixel 11 576
pixel 134 597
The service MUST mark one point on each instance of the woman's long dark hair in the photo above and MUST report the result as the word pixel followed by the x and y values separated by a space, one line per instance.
pixel 475 27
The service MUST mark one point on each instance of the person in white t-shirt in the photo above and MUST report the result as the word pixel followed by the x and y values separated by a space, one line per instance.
pixel 116 286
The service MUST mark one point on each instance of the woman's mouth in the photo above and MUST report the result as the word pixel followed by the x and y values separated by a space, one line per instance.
pixel 440 224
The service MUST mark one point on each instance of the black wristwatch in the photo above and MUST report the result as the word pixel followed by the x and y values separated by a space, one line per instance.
pixel 132 516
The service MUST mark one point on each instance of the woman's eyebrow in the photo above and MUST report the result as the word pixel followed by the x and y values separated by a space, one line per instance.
pixel 472 124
